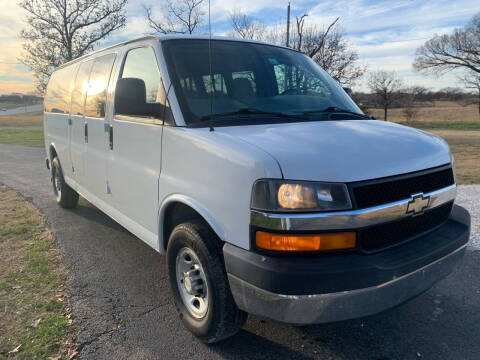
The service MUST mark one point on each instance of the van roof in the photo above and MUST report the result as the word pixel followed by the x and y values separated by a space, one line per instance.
pixel 206 37
pixel 164 38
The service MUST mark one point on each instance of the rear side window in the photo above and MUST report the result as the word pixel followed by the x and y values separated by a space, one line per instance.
pixel 59 89
pixel 80 87
pixel 97 86
pixel 218 86
pixel 141 63
pixel 248 75
pixel 188 84
pixel 292 79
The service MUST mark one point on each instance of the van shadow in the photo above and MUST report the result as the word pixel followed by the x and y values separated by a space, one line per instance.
pixel 249 345
pixel 91 213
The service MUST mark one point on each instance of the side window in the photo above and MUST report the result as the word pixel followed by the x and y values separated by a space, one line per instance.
pixel 59 89
pixel 141 63
pixel 51 93
pixel 97 86
pixel 292 79
pixel 188 84
pixel 80 87
pixel 249 75
pixel 139 94
pixel 281 78
pixel 218 85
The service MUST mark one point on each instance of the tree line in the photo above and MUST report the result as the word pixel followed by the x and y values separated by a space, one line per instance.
pixel 21 99
pixel 61 30
pixel 411 99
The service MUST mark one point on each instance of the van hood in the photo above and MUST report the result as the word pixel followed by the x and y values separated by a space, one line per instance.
pixel 344 151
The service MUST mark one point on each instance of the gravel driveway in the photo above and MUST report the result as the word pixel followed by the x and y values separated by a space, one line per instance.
pixel 122 305
pixel 469 197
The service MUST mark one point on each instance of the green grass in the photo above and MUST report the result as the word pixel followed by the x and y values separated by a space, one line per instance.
pixel 24 129
pixel 30 136
pixel 32 277
pixel 42 342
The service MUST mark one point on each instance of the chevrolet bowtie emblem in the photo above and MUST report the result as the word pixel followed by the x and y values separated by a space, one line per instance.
pixel 418 204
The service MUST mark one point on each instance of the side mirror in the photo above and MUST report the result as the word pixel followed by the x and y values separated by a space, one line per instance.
pixel 348 91
pixel 131 99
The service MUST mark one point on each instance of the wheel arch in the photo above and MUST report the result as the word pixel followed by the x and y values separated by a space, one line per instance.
pixel 52 152
pixel 179 208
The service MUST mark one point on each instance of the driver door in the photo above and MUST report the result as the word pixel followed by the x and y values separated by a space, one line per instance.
pixel 136 146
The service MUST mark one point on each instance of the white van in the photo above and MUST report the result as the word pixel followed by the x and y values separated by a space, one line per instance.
pixel 268 189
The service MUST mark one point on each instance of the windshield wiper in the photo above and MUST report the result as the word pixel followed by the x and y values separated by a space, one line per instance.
pixel 247 111
pixel 334 109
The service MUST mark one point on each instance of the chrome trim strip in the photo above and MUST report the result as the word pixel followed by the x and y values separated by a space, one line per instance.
pixel 352 219
pixel 322 308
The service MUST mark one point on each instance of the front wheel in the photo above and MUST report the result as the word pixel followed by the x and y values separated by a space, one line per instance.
pixel 65 196
pixel 199 283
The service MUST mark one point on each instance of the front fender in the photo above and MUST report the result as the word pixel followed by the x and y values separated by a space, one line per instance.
pixel 195 205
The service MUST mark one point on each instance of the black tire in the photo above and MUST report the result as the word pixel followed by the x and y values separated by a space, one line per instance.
pixel 65 196
pixel 223 318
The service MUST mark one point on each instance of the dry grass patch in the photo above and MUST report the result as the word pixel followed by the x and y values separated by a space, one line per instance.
pixel 435 112
pixel 34 314
pixel 465 147
pixel 33 119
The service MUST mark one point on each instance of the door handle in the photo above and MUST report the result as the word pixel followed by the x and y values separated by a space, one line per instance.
pixel 110 137
pixel 86 132
pixel 69 121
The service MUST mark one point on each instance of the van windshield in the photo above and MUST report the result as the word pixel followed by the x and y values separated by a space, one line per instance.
pixel 247 83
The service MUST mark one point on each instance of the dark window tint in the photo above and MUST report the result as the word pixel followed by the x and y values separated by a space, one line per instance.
pixel 141 63
pixel 80 88
pixel 59 88
pixel 97 86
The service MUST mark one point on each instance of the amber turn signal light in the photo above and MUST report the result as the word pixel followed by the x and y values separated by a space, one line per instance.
pixel 317 242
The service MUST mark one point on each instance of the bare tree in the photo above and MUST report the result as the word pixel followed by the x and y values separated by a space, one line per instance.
pixel 458 50
pixel 249 28
pixel 326 46
pixel 315 39
pixel 177 17
pixel 452 93
pixel 300 22
pixel 333 53
pixel 245 27
pixel 61 30
pixel 472 81
pixel 409 101
pixel 385 85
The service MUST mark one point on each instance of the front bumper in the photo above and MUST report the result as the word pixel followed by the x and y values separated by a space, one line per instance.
pixel 328 288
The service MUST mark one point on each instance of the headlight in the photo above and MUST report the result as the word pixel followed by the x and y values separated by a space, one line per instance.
pixel 281 195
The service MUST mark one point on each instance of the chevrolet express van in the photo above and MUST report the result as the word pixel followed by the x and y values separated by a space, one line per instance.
pixel 268 189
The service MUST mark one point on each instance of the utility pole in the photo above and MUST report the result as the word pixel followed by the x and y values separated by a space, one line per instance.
pixel 288 25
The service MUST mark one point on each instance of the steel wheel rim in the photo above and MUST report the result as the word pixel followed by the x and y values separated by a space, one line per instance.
pixel 192 283
pixel 57 184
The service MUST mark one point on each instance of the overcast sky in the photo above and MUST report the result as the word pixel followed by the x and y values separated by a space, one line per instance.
pixel 384 32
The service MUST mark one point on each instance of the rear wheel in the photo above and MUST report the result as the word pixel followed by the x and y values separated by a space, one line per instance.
pixel 65 196
pixel 199 283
